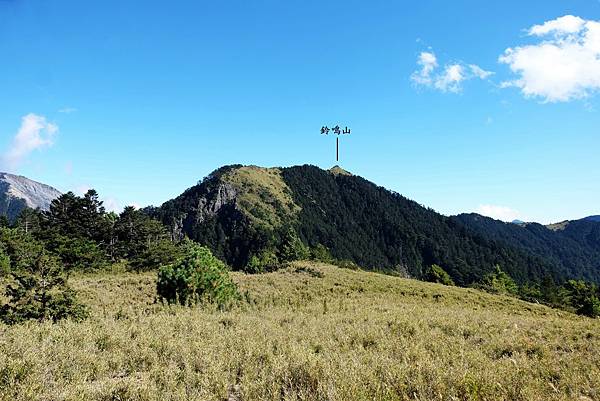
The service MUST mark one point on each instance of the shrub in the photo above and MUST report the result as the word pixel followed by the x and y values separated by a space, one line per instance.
pixel 292 247
pixel 263 262
pixel 531 292
pixel 321 254
pixel 40 292
pixel 436 274
pixel 345 264
pixel 590 307
pixel 583 297
pixel 198 277
pixel 500 282
pixel 157 254
pixel 4 261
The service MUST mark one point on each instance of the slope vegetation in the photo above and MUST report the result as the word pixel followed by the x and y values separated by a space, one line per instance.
pixel 262 195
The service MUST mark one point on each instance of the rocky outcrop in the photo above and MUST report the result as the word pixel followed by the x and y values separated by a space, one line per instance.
pixel 209 206
pixel 18 192
pixel 206 205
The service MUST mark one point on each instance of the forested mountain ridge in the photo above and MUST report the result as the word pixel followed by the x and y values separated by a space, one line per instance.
pixel 236 210
pixel 572 245
pixel 244 211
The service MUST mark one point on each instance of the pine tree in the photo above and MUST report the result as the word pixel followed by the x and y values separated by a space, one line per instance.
pixel 4 223
pixel 40 292
pixel 436 274
pixel 500 282
pixel 292 247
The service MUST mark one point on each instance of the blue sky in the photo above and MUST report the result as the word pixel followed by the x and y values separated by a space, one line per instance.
pixel 140 100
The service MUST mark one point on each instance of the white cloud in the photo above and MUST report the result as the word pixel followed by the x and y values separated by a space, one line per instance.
pixel 480 72
pixel 566 24
pixel 448 80
pixel 503 213
pixel 564 65
pixel 428 63
pixel 35 133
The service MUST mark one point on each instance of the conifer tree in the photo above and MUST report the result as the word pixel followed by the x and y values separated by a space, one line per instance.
pixel 40 292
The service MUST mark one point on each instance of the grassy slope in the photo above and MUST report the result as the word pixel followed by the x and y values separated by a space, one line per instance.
pixel 263 195
pixel 346 335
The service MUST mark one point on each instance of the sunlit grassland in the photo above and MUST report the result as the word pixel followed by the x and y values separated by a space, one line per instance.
pixel 312 332
pixel 263 195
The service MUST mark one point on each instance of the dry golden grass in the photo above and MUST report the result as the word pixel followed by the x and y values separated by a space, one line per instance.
pixel 264 196
pixel 347 335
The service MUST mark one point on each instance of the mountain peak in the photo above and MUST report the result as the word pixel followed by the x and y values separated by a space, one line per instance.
pixel 337 170
pixel 18 192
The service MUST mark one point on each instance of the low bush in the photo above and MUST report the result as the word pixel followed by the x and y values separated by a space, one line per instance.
pixel 499 282
pixel 320 253
pixel 266 261
pixel 198 277
pixel 582 297
pixel 436 274
pixel 292 247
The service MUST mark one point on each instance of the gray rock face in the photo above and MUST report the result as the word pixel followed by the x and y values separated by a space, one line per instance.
pixel 206 207
pixel 18 192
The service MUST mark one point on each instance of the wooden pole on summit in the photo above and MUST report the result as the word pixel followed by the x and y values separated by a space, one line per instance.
pixel 337 149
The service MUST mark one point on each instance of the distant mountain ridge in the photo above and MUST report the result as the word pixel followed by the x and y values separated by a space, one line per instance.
pixel 18 192
pixel 574 246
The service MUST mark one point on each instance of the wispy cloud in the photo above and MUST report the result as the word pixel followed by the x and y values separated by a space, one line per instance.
pixel 503 213
pixel 565 63
pixel 35 133
pixel 67 110
pixel 428 63
pixel 479 72
pixel 448 79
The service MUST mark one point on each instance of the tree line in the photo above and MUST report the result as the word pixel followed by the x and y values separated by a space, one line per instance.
pixel 41 248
